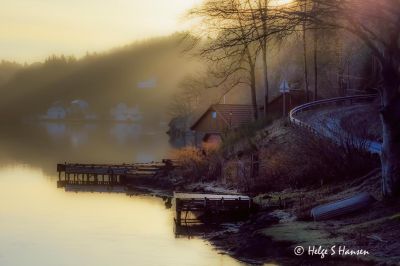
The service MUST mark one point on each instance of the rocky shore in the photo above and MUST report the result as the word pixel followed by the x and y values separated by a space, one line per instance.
pixel 270 234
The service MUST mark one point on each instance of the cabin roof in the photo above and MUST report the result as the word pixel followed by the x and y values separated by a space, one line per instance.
pixel 233 115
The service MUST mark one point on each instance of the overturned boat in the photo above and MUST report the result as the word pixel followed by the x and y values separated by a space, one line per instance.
pixel 342 207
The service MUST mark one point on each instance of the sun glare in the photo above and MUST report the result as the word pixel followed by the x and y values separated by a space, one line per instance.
pixel 31 29
pixel 280 2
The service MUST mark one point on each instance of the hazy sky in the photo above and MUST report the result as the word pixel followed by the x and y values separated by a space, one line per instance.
pixel 30 30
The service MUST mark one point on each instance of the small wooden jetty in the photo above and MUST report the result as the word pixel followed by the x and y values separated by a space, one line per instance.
pixel 110 174
pixel 208 203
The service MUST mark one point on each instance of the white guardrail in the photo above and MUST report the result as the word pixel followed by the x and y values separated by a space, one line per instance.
pixel 372 146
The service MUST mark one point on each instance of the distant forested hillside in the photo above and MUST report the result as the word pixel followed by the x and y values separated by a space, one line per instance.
pixel 144 75
pixel 8 70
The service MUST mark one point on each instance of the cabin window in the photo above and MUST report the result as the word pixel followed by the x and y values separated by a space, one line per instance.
pixel 214 115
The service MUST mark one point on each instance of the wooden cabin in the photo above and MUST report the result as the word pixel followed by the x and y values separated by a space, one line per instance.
pixel 221 117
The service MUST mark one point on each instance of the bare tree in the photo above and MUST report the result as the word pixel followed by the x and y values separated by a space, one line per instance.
pixel 187 101
pixel 246 28
pixel 227 28
pixel 376 24
pixel 260 12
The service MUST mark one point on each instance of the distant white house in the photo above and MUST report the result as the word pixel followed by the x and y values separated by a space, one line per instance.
pixel 122 112
pixel 80 109
pixel 147 84
pixel 56 112
pixel 78 106
pixel 76 109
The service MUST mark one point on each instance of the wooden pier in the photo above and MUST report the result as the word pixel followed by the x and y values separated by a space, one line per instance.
pixel 110 174
pixel 208 203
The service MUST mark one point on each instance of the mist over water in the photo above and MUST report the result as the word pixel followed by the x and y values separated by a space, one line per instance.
pixel 43 225
pixel 44 144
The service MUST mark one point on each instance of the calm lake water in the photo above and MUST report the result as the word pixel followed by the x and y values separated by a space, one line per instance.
pixel 41 225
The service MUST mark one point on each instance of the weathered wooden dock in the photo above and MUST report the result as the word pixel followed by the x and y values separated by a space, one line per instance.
pixel 186 203
pixel 110 174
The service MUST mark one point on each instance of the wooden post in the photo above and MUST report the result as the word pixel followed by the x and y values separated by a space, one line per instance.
pixel 178 211
pixel 284 104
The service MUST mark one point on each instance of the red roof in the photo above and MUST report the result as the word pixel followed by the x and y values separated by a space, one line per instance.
pixel 233 115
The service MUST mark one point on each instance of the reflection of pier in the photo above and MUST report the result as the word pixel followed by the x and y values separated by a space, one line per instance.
pixel 209 205
pixel 96 188
pixel 109 174
pixel 194 230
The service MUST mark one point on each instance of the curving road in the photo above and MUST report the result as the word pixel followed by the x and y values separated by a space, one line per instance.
pixel 324 118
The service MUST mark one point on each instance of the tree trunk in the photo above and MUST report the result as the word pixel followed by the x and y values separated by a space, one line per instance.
pixel 305 55
pixel 315 65
pixel 265 62
pixel 253 91
pixel 266 82
pixel 390 118
pixel 339 63
pixel 315 9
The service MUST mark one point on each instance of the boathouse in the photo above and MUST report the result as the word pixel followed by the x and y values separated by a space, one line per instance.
pixel 221 117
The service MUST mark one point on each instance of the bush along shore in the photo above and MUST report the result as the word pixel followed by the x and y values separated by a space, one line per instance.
pixel 288 171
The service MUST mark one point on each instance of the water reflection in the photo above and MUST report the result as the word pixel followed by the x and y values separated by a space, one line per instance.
pixel 55 130
pixel 123 131
pixel 78 134
pixel 48 143
pixel 42 225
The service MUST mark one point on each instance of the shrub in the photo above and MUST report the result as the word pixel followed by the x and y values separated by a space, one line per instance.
pixel 198 163
pixel 309 159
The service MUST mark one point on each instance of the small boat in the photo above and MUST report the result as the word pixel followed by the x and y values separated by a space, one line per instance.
pixel 342 207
